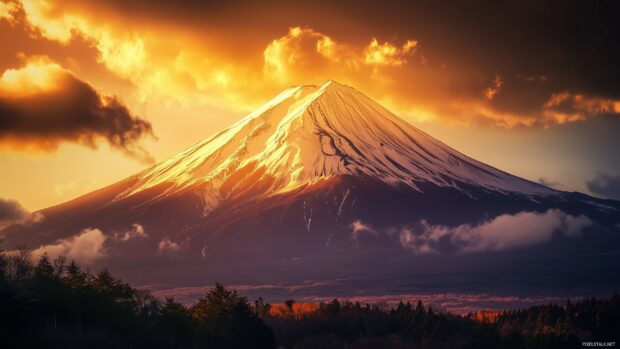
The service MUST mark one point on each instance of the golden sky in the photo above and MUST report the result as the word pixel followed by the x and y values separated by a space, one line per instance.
pixel 92 92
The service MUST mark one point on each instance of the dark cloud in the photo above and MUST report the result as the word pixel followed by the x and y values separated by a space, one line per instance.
pixel 42 106
pixel 12 212
pixel 605 185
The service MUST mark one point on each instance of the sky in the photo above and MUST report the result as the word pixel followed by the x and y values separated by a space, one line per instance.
pixel 93 92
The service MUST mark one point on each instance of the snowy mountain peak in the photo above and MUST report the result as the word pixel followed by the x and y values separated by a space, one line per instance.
pixel 310 133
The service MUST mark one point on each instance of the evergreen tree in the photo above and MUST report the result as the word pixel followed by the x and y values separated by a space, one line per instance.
pixel 225 321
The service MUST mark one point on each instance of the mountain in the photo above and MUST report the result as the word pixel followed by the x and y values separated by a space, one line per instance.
pixel 320 177
pixel 312 133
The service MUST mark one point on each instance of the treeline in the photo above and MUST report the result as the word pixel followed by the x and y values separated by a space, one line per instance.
pixel 342 324
pixel 55 304
pixel 60 305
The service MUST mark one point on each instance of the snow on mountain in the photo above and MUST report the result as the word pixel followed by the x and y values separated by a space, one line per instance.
pixel 309 133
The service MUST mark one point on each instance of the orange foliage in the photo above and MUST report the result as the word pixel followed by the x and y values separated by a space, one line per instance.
pixel 488 316
pixel 298 310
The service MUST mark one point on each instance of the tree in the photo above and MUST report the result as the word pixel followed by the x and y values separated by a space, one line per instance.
pixel 261 308
pixel 289 304
pixel 175 323
pixel 225 320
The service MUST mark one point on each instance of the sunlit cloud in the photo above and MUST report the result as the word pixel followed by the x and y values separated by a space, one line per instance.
pixel 135 232
pixel 192 70
pixel 566 107
pixel 85 247
pixel 304 48
pixel 358 226
pixel 178 71
pixel 168 245
pixel 495 87
pixel 8 10
pixel 387 53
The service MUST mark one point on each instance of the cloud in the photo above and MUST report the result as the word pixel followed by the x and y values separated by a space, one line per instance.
pixel 387 53
pixel 12 212
pixel 566 107
pixel 178 71
pixel 304 50
pixel 500 233
pixel 168 245
pixel 287 57
pixel 495 87
pixel 136 231
pixel 508 71
pixel 8 10
pixel 42 105
pixel 605 185
pixel 85 247
pixel 358 226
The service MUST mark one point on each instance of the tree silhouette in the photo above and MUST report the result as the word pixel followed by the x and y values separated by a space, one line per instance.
pixel 225 320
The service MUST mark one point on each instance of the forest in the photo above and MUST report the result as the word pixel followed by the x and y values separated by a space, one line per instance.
pixel 58 304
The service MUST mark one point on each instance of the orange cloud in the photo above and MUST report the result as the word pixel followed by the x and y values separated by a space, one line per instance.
pixel 179 70
pixel 305 49
pixel 495 87
pixel 197 69
pixel 566 107
pixel 8 10
pixel 388 54
pixel 191 73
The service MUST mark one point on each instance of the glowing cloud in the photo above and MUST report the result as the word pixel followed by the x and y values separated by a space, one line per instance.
pixel 136 231
pixel 495 87
pixel 442 84
pixel 85 247
pixel 8 11
pixel 566 107
pixel 168 245
pixel 304 47
pixel 387 53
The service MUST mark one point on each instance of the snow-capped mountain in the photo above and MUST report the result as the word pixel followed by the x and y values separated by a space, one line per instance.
pixel 311 133
pixel 322 177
